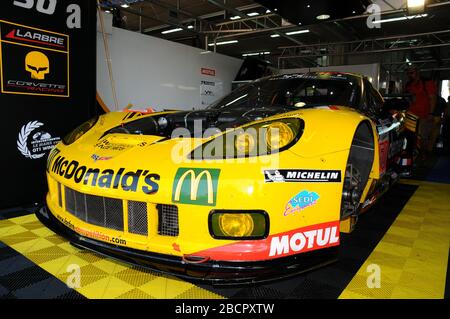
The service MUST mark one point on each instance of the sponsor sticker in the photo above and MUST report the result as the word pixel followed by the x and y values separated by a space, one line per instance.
pixel 43 64
pixel 384 152
pixel 100 158
pixel 107 145
pixel 297 176
pixel 128 181
pixel 303 240
pixel 292 242
pixel 301 201
pixel 89 233
pixel 196 186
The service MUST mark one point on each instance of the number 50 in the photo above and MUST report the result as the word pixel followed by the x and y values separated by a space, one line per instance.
pixel 42 6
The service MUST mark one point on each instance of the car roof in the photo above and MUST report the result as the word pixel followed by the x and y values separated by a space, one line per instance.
pixel 318 75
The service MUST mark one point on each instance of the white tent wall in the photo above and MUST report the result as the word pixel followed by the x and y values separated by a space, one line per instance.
pixel 152 72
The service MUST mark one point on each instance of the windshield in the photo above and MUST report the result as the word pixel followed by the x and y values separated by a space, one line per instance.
pixel 299 92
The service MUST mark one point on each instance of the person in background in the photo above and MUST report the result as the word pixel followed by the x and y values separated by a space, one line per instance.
pixel 446 128
pixel 424 104
pixel 441 112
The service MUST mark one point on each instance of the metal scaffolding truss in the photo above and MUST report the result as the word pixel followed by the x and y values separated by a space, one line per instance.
pixel 367 46
pixel 252 24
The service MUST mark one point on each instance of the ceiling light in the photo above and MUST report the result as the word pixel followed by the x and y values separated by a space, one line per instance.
pixel 190 27
pixel 250 54
pixel 268 11
pixel 172 31
pixel 416 4
pixel 253 14
pixel 401 18
pixel 256 53
pixel 223 43
pixel 125 5
pixel 235 17
pixel 275 36
pixel 107 11
pixel 297 32
pixel 323 17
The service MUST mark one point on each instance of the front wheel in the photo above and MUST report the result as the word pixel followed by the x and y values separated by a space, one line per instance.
pixel 359 165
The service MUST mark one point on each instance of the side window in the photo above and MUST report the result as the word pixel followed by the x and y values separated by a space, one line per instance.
pixel 377 96
pixel 373 98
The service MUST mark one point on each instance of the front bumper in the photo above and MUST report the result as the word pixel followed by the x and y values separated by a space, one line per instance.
pixel 210 272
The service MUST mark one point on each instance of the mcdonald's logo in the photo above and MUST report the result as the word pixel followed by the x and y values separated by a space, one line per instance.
pixel 196 186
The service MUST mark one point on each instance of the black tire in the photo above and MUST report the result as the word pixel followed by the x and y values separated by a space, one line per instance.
pixel 359 165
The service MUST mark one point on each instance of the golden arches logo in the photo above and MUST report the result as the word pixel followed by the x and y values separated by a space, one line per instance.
pixel 201 188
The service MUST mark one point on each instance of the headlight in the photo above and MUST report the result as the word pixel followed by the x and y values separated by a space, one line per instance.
pixel 245 143
pixel 249 225
pixel 79 131
pixel 252 140
pixel 279 135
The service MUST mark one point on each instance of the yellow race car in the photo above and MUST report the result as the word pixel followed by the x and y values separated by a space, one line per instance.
pixel 256 187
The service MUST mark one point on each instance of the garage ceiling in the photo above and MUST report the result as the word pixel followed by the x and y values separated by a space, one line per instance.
pixel 307 12
pixel 260 27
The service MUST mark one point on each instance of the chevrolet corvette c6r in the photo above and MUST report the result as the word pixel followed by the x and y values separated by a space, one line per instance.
pixel 307 153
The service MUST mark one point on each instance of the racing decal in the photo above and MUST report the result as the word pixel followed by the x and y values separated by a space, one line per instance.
pixel 132 181
pixel 91 234
pixel 196 186
pixel 33 142
pixel 107 145
pixel 297 176
pixel 132 114
pixel 296 241
pixel 299 202
pixel 96 158
pixel 405 161
pixel 304 240
pixel 384 152
pixel 43 64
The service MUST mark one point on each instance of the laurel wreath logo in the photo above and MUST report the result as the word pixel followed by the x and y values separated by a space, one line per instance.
pixel 23 137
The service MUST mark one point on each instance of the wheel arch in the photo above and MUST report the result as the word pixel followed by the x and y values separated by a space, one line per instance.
pixel 362 158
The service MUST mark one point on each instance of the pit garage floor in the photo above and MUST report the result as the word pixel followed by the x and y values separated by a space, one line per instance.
pixel 406 234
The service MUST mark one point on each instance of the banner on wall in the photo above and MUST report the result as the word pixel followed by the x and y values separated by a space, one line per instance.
pixel 47 87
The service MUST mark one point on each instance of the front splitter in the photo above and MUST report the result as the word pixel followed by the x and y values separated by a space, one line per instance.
pixel 212 272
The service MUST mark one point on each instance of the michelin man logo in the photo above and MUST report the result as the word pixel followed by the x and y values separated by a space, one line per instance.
pixel 276 178
pixel 41 142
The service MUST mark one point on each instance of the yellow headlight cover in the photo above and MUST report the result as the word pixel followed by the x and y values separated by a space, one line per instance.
pixel 279 135
pixel 236 225
pixel 245 143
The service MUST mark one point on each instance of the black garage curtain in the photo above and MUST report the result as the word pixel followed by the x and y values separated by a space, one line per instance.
pixel 47 87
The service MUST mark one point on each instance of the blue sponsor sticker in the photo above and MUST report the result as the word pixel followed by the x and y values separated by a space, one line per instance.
pixel 301 201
